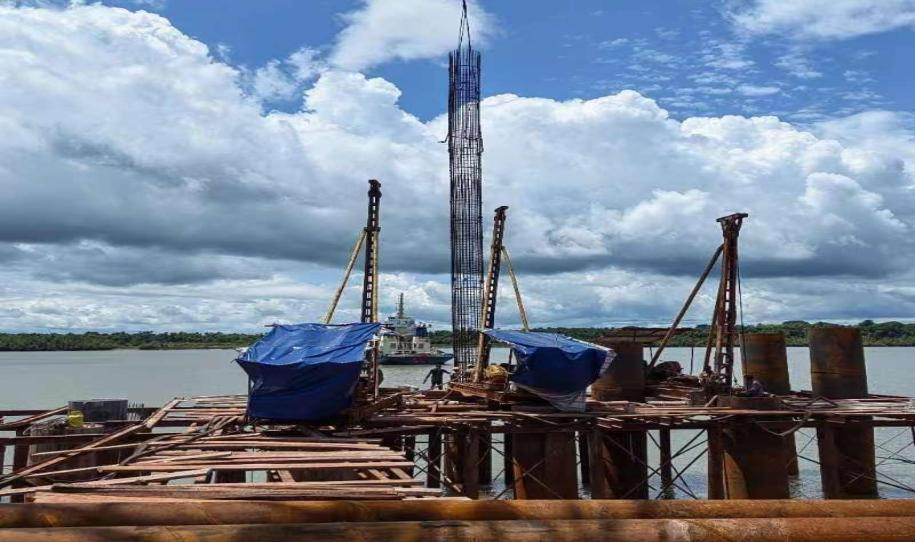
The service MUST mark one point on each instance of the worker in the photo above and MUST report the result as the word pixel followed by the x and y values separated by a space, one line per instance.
pixel 437 374
pixel 753 387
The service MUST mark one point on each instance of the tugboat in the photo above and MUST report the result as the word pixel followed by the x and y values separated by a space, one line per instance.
pixel 406 342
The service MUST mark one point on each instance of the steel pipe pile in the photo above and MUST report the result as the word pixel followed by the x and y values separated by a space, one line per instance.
pixel 872 529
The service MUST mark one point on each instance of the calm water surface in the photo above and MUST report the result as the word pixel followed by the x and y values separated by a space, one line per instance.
pixel 49 379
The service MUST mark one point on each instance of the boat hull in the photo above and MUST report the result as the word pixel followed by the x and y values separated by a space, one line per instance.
pixel 416 359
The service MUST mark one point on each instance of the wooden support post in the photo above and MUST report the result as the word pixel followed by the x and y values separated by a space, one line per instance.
pixel 485 454
pixel 409 446
pixel 791 455
pixel 2 454
pixel 20 461
pixel 20 452
pixel 584 458
pixel 434 454
pixel 507 458
pixel 409 449
pixel 715 462
pixel 597 481
pixel 666 466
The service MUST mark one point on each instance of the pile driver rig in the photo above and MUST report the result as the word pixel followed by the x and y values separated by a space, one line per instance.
pixel 497 254
pixel 370 236
pixel 718 368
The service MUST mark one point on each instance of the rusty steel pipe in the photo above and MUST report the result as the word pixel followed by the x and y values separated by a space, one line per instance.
pixel 625 379
pixel 837 371
pixel 837 368
pixel 754 461
pixel 544 466
pixel 255 512
pixel 876 529
pixel 618 464
pixel 765 356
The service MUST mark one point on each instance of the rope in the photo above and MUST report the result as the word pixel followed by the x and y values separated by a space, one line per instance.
pixel 740 333
pixel 803 421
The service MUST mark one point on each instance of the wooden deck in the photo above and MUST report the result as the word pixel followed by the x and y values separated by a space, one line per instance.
pixel 215 456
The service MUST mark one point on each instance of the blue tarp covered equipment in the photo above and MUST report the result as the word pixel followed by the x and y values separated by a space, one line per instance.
pixel 556 367
pixel 305 372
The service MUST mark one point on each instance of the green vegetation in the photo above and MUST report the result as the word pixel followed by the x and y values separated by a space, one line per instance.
pixel 874 334
pixel 145 340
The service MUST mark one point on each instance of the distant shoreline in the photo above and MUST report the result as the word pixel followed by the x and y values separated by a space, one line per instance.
pixel 234 348
pixel 872 333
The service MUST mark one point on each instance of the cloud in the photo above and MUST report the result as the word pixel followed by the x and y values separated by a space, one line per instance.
pixel 758 90
pixel 795 63
pixel 613 43
pixel 384 30
pixel 824 19
pixel 284 80
pixel 133 159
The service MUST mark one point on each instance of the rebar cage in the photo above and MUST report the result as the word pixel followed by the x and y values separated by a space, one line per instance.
pixel 465 147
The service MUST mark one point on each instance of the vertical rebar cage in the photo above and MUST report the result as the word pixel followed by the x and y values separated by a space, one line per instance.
pixel 465 147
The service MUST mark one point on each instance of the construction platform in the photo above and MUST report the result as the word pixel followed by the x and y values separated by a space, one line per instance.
pixel 201 447
pixel 483 459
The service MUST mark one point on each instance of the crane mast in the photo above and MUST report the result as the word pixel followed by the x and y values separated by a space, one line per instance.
pixel 718 370
pixel 491 290
pixel 370 276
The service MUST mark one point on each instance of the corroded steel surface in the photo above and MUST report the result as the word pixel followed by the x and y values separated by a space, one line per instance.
pixel 765 357
pixel 837 368
pixel 625 379
pixel 670 530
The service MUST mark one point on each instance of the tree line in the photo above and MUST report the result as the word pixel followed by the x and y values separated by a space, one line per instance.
pixel 873 334
pixel 144 340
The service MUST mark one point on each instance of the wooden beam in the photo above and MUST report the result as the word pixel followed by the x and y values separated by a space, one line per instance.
pixel 258 466
pixel 25 422
pixel 114 437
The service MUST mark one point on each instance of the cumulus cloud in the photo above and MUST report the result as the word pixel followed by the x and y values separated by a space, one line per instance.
pixel 384 30
pixel 143 183
pixel 758 90
pixel 284 80
pixel 824 19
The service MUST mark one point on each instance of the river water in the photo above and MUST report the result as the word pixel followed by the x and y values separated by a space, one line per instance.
pixel 50 379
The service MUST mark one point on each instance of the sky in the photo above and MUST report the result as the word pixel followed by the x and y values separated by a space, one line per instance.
pixel 202 165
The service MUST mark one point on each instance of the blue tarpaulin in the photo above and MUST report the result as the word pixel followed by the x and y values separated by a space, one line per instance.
pixel 305 372
pixel 556 367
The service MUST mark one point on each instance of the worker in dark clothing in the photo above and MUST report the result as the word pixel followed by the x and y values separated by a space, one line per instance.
pixel 753 387
pixel 437 374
